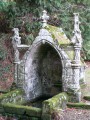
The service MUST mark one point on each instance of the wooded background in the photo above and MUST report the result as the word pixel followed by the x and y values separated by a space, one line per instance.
pixel 25 15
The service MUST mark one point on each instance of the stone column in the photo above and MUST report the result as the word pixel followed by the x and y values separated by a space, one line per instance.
pixel 76 63
pixel 77 49
pixel 16 40
pixel 75 83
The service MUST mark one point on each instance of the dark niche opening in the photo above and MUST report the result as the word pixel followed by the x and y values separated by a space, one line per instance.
pixel 47 77
pixel 45 74
pixel 50 70
pixel 38 101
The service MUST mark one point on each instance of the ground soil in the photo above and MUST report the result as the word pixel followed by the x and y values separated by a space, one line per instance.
pixel 75 114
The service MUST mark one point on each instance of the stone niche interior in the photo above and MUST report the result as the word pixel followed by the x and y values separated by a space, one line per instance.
pixel 46 72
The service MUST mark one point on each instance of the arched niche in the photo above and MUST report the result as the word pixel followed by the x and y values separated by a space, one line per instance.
pixel 43 71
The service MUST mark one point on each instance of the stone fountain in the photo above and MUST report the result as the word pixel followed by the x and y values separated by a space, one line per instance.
pixel 50 67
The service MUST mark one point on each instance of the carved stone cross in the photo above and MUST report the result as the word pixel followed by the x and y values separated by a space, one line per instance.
pixel 45 18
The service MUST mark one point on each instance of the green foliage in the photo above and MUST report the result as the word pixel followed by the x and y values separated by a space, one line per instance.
pixel 3 53
pixel 20 14
pixel 30 38
pixel 6 68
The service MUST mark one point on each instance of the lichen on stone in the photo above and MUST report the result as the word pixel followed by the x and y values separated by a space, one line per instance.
pixel 62 40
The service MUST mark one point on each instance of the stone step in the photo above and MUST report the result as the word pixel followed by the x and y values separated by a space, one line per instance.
pixel 81 105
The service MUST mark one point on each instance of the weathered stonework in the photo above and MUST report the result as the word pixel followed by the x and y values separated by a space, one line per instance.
pixel 51 64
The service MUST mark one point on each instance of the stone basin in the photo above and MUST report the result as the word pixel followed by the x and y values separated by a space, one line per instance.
pixel 15 104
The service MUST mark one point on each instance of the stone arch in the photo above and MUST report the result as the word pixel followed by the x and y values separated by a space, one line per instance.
pixel 33 84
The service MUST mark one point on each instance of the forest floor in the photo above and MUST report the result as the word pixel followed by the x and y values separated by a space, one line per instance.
pixel 72 113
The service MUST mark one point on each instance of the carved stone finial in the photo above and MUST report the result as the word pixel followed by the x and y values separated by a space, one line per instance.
pixel 44 18
pixel 16 40
pixel 76 22
pixel 77 38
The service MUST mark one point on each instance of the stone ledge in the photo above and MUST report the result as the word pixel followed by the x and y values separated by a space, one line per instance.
pixel 23 47
pixel 79 105
pixel 87 98
pixel 21 110
pixel 57 102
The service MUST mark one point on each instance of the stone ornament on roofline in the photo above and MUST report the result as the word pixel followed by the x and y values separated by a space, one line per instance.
pixel 77 38
pixel 16 40
pixel 44 18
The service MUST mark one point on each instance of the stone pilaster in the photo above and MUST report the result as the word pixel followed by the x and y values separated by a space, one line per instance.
pixel 77 49
pixel 76 63
pixel 75 83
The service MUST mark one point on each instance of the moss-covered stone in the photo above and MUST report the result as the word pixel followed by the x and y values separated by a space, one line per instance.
pixel 32 111
pixel 14 97
pixel 73 95
pixel 21 110
pixel 59 36
pixel 57 102
pixel 46 117
pixel 79 105
pixel 13 109
pixel 87 98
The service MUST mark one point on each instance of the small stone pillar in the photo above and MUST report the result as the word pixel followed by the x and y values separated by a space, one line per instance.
pixel 16 40
pixel 76 63
pixel 77 49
